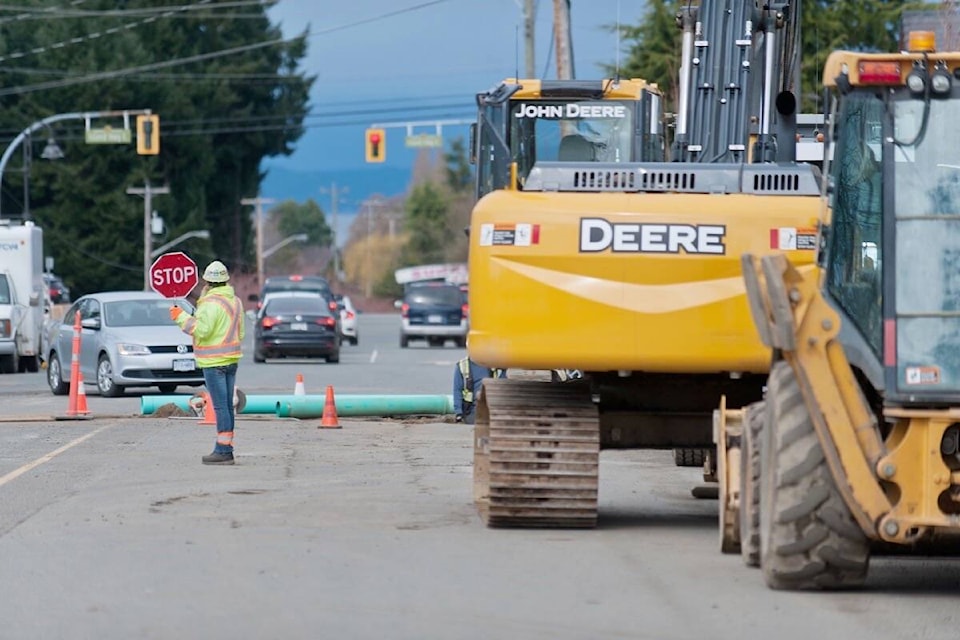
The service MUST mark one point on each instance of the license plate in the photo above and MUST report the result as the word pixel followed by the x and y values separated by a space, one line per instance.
pixel 184 365
pixel 434 319
pixel 298 326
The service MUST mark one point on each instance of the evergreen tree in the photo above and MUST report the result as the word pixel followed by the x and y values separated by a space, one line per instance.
pixel 219 118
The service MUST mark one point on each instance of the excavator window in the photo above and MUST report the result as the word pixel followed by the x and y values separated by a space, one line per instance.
pixel 571 131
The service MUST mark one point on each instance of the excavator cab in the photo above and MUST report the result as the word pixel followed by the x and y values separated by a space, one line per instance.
pixel 523 122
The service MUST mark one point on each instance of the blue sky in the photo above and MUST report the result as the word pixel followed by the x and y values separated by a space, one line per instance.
pixel 418 64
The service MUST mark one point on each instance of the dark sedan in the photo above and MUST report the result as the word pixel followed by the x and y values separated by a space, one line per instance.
pixel 296 325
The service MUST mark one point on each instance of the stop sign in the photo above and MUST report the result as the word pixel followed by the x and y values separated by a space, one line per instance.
pixel 174 275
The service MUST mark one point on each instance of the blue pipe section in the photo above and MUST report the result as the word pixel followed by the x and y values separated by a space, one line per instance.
pixel 311 406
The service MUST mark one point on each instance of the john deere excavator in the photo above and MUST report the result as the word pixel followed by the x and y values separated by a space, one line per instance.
pixel 590 252
pixel 857 445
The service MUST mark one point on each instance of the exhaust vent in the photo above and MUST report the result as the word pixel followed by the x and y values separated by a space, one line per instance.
pixel 668 181
pixel 605 180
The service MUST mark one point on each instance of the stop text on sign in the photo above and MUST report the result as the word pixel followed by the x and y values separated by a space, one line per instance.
pixel 174 275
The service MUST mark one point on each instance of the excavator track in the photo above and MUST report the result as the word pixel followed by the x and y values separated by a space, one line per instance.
pixel 537 453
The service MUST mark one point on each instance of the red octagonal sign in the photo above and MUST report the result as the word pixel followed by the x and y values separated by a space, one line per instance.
pixel 174 275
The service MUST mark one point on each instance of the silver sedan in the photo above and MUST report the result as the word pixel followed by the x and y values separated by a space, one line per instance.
pixel 127 339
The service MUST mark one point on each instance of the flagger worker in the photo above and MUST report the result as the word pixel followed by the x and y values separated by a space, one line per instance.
pixel 467 381
pixel 217 329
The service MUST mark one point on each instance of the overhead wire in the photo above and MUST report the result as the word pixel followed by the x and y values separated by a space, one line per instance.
pixel 90 36
pixel 119 73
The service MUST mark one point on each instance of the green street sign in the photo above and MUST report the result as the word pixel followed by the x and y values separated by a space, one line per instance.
pixel 107 135
pixel 424 140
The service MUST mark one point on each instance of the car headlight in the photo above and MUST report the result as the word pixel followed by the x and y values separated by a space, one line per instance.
pixel 132 349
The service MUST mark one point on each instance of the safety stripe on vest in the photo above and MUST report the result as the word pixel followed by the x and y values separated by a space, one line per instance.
pixel 466 392
pixel 230 346
pixel 189 325
pixel 225 438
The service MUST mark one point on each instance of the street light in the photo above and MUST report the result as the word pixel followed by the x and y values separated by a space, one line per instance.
pixel 50 152
pixel 297 237
pixel 203 233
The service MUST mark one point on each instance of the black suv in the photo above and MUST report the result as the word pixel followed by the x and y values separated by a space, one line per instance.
pixel 435 313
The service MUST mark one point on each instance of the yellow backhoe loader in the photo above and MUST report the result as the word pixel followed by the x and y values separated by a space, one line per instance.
pixel 856 446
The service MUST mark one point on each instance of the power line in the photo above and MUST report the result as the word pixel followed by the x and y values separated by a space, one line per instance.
pixel 118 73
pixel 45 13
pixel 90 36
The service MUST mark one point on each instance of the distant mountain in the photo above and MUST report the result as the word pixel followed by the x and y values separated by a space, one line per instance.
pixel 355 185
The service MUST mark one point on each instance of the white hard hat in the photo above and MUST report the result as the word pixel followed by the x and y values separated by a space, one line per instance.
pixel 216 271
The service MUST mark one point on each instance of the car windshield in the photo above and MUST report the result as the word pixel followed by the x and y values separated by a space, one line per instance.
pixel 297 285
pixel 304 305
pixel 138 313
pixel 435 295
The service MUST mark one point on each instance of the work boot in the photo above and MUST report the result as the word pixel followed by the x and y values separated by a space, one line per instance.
pixel 218 458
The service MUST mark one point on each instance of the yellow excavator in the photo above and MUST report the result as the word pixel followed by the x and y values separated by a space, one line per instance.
pixel 856 447
pixel 590 252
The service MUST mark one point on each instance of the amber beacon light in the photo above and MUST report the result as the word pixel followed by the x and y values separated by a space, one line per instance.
pixel 376 146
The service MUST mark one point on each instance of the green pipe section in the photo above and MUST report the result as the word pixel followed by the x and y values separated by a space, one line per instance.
pixel 311 406
pixel 365 405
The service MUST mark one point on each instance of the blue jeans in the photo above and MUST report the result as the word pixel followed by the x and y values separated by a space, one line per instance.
pixel 220 382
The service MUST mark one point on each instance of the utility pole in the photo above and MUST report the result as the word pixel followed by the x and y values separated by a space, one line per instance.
pixel 562 39
pixel 258 203
pixel 147 192
pixel 529 24
pixel 335 194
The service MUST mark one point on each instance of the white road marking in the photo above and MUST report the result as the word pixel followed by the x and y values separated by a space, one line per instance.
pixel 373 356
pixel 13 475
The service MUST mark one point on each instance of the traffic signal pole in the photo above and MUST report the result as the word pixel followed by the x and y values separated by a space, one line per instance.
pixel 59 117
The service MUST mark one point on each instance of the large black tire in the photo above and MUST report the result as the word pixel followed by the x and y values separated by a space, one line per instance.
pixel 750 483
pixel 808 537
pixel 690 457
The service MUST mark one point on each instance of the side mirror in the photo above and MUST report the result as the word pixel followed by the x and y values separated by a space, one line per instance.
pixel 90 323
pixel 397 304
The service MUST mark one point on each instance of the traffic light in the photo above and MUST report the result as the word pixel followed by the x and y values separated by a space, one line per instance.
pixel 376 145
pixel 148 135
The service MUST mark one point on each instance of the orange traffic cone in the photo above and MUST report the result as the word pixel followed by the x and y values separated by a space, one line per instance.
pixel 209 415
pixel 329 420
pixel 81 397
pixel 299 389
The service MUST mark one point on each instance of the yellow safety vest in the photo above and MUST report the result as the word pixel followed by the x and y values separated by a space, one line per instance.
pixel 467 391
pixel 217 328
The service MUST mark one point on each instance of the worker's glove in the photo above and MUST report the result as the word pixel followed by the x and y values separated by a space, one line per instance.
pixel 175 312
pixel 458 418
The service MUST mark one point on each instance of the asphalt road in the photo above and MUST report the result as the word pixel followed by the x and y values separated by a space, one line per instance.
pixel 111 528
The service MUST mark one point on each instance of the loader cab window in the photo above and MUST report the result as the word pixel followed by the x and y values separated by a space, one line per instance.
pixel 855 251
pixel 926 181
